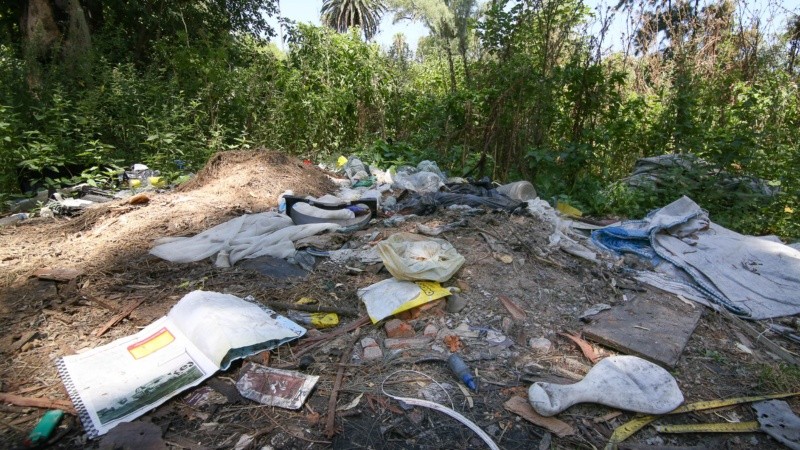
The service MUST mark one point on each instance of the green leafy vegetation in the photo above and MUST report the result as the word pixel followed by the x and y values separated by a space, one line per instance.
pixel 508 89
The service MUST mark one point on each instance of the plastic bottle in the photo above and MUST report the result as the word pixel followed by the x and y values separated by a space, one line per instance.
pixel 282 200
pixel 14 218
pixel 460 369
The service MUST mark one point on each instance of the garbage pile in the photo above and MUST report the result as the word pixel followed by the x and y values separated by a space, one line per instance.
pixel 402 240
pixel 72 200
pixel 422 264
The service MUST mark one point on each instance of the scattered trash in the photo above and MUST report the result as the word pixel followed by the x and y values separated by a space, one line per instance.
pixel 518 190
pixel 624 382
pixel 138 199
pixel 443 409
pixel 13 218
pixel 314 319
pixel 727 427
pixel 562 236
pixel 275 387
pixel 460 369
pixel 44 428
pixel 204 332
pixel 748 275
pixel 244 442
pixel 282 200
pixel 568 210
pixel 353 403
pixel 141 176
pixel 777 419
pixel 389 297
pixel 355 169
pixel 352 215
pixel 204 396
pixel 412 257
pixel 436 231
pixel 628 429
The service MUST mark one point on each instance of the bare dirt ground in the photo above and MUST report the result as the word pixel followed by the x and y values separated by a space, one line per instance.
pixel 42 320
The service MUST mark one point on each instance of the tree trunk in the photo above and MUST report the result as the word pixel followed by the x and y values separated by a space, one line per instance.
pixel 39 29
pixel 451 66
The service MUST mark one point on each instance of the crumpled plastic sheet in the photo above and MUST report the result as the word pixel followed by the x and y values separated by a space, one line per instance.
pixel 423 205
pixel 562 236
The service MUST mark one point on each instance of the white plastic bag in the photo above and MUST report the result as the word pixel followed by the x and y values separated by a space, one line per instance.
pixel 413 257
pixel 422 182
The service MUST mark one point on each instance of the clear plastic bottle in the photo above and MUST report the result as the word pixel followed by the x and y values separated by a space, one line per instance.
pixel 282 201
pixel 460 369
pixel 14 218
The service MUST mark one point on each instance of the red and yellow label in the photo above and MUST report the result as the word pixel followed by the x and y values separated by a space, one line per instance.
pixel 157 341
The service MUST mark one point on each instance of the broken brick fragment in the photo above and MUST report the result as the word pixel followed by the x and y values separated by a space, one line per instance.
pixel 398 329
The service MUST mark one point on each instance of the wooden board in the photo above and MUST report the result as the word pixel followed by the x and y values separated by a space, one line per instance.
pixel 655 327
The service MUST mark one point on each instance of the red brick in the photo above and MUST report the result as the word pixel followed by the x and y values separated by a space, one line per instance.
pixel 398 329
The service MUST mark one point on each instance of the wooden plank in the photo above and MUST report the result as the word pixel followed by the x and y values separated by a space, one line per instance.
pixel 656 327
pixel 46 403
pixel 60 274
pixel 521 407
pixel 123 314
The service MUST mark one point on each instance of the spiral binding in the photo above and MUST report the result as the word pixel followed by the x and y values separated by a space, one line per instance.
pixel 72 390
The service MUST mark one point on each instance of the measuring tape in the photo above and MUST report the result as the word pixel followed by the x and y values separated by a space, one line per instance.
pixel 628 429
pixel 735 427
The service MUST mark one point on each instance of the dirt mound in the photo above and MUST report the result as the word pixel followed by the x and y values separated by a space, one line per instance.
pixel 231 184
pixel 263 173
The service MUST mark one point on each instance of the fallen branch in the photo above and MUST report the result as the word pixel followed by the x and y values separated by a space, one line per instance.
pixel 314 308
pixel 330 424
pixel 114 320
pixel 46 403
pixel 759 337
pixel 344 330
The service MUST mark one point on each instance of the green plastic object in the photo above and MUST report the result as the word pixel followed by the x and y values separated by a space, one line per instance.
pixel 44 429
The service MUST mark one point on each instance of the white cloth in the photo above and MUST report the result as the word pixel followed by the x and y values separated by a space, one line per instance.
pixel 247 236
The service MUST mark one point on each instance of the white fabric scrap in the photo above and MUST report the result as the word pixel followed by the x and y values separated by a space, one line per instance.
pixel 247 236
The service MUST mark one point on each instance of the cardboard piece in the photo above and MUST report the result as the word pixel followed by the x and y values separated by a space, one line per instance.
pixel 656 327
